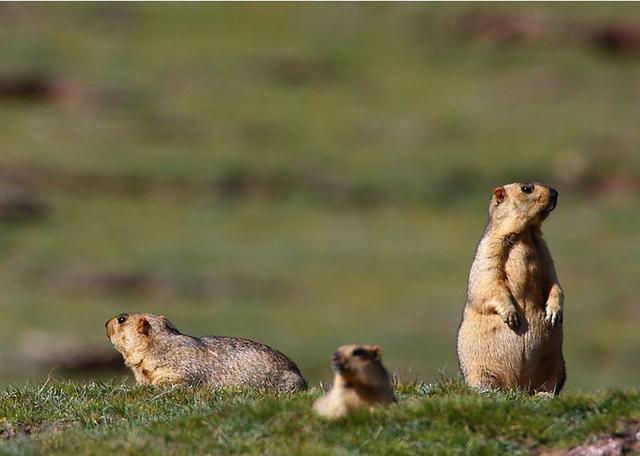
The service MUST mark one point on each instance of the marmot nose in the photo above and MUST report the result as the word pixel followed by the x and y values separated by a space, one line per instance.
pixel 336 362
pixel 109 328
pixel 553 194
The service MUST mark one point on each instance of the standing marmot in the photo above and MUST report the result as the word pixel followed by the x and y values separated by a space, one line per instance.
pixel 159 354
pixel 360 381
pixel 511 331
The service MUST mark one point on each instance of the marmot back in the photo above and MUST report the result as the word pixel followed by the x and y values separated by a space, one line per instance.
pixel 159 354
pixel 511 331
pixel 360 381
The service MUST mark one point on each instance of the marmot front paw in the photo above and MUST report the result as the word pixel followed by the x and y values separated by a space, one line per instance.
pixel 554 315
pixel 512 319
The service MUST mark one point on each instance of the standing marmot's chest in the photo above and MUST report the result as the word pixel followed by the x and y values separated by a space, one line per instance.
pixel 524 271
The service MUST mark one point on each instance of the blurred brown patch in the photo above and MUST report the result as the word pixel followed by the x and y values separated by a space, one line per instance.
pixel 111 16
pixel 294 71
pixel 26 87
pixel 235 183
pixel 246 183
pixel 631 311
pixel 35 87
pixel 42 179
pixel 107 282
pixel 69 94
pixel 574 170
pixel 616 37
pixel 504 27
pixel 49 351
pixel 18 204
pixel 89 280
pixel 538 82
pixel 530 26
pixel 338 191
pixel 452 184
pixel 619 184
pixel 118 282
pixel 586 173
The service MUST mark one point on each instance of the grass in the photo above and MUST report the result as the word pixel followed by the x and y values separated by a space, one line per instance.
pixel 442 418
pixel 326 167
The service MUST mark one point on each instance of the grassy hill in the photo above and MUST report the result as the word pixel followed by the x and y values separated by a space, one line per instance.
pixel 444 418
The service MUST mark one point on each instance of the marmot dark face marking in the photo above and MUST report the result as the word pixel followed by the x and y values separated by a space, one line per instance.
pixel 356 362
pixel 360 381
pixel 511 333
pixel 159 354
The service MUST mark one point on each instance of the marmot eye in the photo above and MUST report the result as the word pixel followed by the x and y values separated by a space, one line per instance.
pixel 121 319
pixel 526 188
pixel 359 352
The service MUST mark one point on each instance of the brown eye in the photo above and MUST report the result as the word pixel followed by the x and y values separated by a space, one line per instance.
pixel 121 319
pixel 526 188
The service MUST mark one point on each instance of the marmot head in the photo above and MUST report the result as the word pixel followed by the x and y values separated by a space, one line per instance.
pixel 514 207
pixel 129 331
pixel 359 364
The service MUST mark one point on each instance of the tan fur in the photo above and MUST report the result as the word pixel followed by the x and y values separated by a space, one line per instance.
pixel 360 381
pixel 158 354
pixel 511 331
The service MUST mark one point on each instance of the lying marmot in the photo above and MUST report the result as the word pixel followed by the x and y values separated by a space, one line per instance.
pixel 159 354
pixel 360 381
pixel 511 331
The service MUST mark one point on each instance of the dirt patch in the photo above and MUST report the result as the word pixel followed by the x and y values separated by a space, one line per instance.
pixel 524 26
pixel 10 430
pixel 625 441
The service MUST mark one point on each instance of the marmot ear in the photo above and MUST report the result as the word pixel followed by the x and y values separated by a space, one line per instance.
pixel 377 352
pixel 499 194
pixel 144 327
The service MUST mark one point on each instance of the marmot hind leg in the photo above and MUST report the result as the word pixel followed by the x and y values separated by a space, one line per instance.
pixel 484 380
pixel 551 379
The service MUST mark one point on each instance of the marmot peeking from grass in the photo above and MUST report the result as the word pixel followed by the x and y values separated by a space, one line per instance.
pixel 511 331
pixel 360 381
pixel 159 354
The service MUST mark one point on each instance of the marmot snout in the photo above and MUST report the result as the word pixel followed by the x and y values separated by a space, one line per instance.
pixel 159 354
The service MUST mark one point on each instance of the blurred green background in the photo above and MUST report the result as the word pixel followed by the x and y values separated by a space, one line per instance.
pixel 308 175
